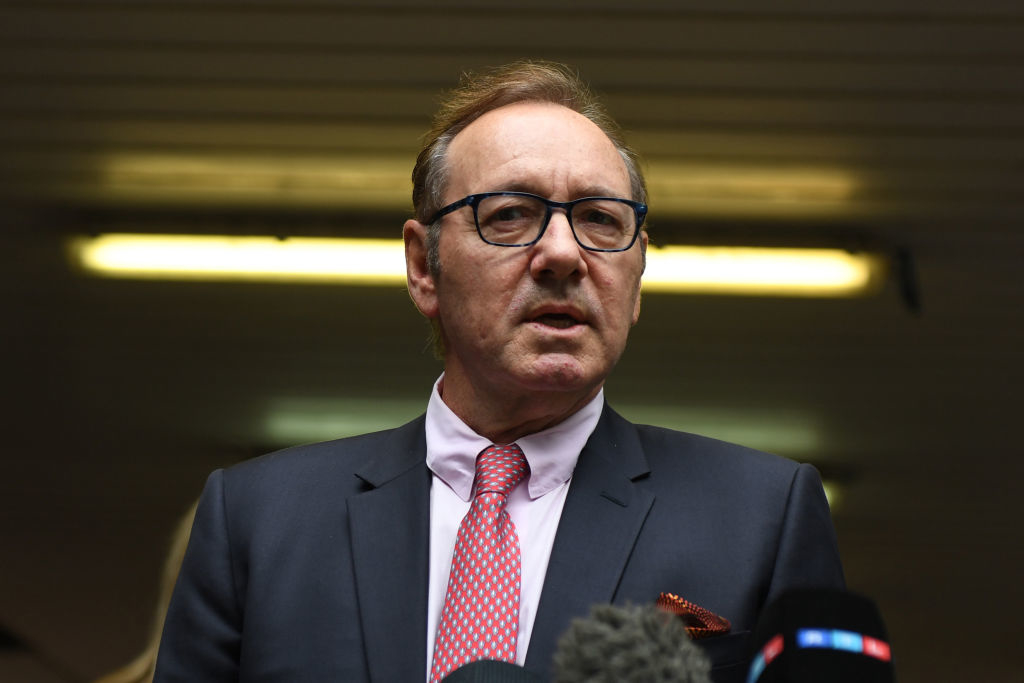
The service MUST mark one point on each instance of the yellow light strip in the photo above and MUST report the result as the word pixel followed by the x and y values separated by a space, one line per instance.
pixel 833 494
pixel 381 180
pixel 211 257
pixel 711 270
pixel 736 189
pixel 762 271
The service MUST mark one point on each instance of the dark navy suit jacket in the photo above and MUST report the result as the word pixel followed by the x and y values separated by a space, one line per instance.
pixel 311 564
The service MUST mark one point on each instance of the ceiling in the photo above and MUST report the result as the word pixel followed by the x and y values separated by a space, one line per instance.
pixel 896 126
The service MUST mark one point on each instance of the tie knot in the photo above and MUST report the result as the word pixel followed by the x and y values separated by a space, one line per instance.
pixel 500 468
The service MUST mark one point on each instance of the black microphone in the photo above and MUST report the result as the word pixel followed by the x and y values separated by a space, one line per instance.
pixel 629 645
pixel 491 671
pixel 821 636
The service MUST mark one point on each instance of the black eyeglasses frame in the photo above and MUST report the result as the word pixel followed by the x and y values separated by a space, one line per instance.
pixel 473 201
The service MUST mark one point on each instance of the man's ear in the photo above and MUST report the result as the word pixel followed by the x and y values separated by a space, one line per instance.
pixel 643 267
pixel 422 287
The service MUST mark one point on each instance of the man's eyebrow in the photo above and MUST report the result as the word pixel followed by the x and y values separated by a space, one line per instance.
pixel 597 191
pixel 517 186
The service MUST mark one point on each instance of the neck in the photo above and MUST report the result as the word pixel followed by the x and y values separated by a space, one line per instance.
pixel 504 419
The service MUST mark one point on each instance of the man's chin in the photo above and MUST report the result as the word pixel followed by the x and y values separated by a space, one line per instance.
pixel 561 372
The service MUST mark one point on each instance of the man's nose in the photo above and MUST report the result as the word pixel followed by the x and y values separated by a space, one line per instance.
pixel 557 253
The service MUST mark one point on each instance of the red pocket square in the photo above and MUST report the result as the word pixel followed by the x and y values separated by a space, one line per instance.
pixel 700 623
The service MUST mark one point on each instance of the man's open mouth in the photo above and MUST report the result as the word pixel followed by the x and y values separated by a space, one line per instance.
pixel 558 320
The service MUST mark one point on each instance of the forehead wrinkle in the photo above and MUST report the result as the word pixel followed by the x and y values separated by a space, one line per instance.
pixel 555 181
pixel 533 188
pixel 537 153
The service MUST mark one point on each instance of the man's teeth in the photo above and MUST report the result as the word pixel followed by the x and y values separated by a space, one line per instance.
pixel 559 320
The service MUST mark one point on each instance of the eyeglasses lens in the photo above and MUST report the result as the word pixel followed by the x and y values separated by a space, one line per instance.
pixel 514 219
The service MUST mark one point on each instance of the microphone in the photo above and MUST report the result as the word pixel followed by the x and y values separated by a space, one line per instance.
pixel 491 671
pixel 629 644
pixel 821 636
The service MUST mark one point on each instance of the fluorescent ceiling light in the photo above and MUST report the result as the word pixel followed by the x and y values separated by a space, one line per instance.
pixel 287 421
pixel 291 420
pixel 833 494
pixel 737 189
pixel 382 181
pixel 213 257
pixel 355 181
pixel 793 433
pixel 713 270
pixel 762 271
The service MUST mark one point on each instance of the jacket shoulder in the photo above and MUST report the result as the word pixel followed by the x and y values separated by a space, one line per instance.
pixel 660 442
pixel 337 462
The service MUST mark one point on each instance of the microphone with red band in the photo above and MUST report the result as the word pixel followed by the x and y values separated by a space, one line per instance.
pixel 821 636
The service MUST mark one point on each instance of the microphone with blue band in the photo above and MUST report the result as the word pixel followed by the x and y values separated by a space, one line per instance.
pixel 821 636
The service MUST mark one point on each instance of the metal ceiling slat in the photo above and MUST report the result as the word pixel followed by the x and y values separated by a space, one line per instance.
pixel 411 105
pixel 722 8
pixel 55 133
pixel 175 67
pixel 514 30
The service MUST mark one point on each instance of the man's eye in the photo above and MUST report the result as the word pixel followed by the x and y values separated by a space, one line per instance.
pixel 599 218
pixel 603 221
pixel 509 213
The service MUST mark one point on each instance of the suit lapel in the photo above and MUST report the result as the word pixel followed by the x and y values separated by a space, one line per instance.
pixel 603 515
pixel 390 531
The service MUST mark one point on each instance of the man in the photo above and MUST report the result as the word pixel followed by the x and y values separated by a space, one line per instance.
pixel 351 560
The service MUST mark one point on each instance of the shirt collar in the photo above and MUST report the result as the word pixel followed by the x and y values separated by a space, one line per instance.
pixel 452 446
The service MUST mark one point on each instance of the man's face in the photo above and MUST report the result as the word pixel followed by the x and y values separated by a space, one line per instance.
pixel 551 317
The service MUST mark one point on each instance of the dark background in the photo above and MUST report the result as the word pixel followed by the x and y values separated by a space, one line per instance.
pixel 122 395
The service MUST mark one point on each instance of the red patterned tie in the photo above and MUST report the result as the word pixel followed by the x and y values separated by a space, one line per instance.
pixel 480 619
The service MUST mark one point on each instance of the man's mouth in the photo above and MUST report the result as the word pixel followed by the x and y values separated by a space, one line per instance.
pixel 560 321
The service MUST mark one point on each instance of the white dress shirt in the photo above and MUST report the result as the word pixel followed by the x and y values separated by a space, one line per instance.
pixel 534 505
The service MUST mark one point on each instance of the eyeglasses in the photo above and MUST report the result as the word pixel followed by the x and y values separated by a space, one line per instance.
pixel 519 219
